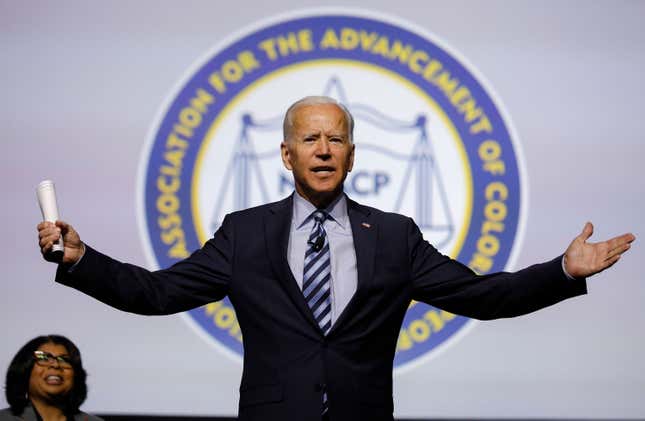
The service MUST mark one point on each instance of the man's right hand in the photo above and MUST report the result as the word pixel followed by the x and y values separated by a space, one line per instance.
pixel 49 233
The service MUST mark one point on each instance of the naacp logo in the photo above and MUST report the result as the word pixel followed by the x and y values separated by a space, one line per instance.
pixel 431 143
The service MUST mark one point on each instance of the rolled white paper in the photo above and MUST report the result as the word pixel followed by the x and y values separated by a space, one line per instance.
pixel 47 200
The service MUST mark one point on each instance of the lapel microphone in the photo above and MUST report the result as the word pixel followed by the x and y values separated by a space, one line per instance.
pixel 318 244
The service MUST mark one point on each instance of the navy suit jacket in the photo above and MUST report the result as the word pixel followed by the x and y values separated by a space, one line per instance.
pixel 287 359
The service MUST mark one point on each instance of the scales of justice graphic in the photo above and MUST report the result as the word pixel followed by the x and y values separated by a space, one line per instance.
pixel 421 174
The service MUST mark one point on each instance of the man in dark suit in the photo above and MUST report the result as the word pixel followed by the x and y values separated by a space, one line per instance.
pixel 320 284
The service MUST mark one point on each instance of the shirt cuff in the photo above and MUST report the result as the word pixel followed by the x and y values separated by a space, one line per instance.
pixel 564 269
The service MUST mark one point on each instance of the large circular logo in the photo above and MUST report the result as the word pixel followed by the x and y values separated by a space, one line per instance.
pixel 432 142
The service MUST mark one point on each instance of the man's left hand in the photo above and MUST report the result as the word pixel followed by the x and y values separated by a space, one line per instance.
pixel 583 259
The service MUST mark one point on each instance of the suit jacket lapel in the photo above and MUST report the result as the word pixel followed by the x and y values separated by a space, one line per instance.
pixel 277 226
pixel 364 233
pixel 29 414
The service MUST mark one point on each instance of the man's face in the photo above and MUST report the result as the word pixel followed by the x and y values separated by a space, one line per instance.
pixel 318 152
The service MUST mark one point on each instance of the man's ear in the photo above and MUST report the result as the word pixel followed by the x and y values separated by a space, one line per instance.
pixel 351 159
pixel 286 155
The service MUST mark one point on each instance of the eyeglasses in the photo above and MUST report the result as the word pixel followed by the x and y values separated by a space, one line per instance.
pixel 45 359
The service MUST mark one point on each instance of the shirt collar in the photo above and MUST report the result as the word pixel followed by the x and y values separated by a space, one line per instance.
pixel 303 210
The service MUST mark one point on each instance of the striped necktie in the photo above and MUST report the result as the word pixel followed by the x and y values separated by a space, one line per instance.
pixel 316 280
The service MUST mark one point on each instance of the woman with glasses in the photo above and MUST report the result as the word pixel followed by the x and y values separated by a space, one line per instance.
pixel 46 382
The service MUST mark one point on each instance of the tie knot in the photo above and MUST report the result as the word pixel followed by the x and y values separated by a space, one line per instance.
pixel 320 216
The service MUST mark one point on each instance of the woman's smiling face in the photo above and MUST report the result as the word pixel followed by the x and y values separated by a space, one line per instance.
pixel 51 378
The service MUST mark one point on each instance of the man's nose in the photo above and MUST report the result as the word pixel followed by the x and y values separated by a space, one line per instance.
pixel 323 150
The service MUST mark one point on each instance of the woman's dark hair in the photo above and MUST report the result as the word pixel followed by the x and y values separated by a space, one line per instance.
pixel 19 372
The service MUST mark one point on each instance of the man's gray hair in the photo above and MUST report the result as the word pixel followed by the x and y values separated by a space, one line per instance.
pixel 287 125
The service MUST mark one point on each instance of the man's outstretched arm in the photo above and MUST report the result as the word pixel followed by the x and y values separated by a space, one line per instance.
pixel 201 278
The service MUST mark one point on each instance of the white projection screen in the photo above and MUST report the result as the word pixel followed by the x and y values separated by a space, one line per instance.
pixel 86 87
